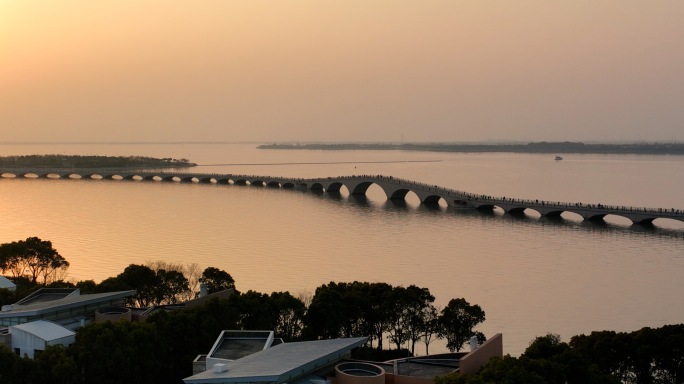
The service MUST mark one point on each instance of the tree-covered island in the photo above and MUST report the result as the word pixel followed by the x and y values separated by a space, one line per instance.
pixel 79 161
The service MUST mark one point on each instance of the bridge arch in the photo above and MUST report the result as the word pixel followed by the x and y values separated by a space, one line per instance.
pixel 398 194
pixel 359 188
pixel 553 213
pixel 595 217
pixel 335 187
pixel 515 210
pixel 432 199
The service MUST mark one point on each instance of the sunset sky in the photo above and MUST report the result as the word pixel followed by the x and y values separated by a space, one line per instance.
pixel 352 70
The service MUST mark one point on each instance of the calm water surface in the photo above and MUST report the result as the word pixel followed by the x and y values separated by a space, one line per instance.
pixel 531 275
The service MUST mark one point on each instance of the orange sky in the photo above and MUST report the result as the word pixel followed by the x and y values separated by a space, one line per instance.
pixel 81 70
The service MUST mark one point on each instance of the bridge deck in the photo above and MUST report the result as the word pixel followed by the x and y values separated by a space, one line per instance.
pixel 394 188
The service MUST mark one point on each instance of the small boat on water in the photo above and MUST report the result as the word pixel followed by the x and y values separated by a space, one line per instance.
pixel 559 158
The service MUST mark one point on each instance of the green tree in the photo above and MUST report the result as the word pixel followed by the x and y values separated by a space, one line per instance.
pixel 257 311
pixel 457 378
pixel 546 347
pixel 377 306
pixel 289 315
pixel 509 370
pixel 9 363
pixel 170 286
pixel 430 326
pixel 216 280
pixel 34 258
pixel 144 280
pixel 399 302
pixel 457 321
pixel 325 313
pixel 87 286
pixel 115 352
pixel 55 365
pixel 418 303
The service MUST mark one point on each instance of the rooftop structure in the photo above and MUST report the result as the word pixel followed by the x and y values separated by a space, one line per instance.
pixel 282 363
pixel 233 345
pixel 58 304
pixel 7 284
pixel 30 338
pixel 317 361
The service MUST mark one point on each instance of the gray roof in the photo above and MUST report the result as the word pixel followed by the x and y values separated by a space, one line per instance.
pixel 65 303
pixel 281 363
pixel 46 330
pixel 6 283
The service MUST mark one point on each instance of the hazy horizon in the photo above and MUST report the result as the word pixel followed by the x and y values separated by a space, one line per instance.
pixel 78 71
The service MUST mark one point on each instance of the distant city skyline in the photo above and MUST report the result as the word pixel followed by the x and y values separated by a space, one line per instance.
pixel 353 71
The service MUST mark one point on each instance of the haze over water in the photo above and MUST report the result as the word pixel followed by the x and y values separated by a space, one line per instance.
pixel 531 275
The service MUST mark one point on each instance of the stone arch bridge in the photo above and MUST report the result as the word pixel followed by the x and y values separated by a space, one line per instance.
pixel 394 188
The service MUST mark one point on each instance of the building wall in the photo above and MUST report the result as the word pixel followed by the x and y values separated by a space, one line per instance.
pixel 28 343
pixel 472 362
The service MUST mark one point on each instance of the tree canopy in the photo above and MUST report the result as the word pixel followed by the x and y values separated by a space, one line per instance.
pixel 33 258
pixel 216 280
pixel 457 322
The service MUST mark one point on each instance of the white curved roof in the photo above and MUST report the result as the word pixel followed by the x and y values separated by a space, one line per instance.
pixel 45 330
pixel 6 283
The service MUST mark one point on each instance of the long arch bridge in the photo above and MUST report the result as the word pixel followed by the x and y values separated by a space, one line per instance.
pixel 394 188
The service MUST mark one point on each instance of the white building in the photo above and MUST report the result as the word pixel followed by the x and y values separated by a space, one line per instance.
pixel 32 338
pixel 7 284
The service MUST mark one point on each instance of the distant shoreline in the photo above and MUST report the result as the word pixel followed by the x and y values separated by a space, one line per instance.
pixel 535 147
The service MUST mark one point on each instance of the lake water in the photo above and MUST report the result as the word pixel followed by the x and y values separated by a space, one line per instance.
pixel 531 275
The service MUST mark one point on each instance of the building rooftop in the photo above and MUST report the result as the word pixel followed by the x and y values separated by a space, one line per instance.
pixel 45 330
pixel 36 307
pixel 233 349
pixel 48 294
pixel 233 345
pixel 7 283
pixel 281 363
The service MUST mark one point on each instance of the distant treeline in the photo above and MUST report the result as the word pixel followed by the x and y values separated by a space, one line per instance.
pixel 535 147
pixel 75 161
